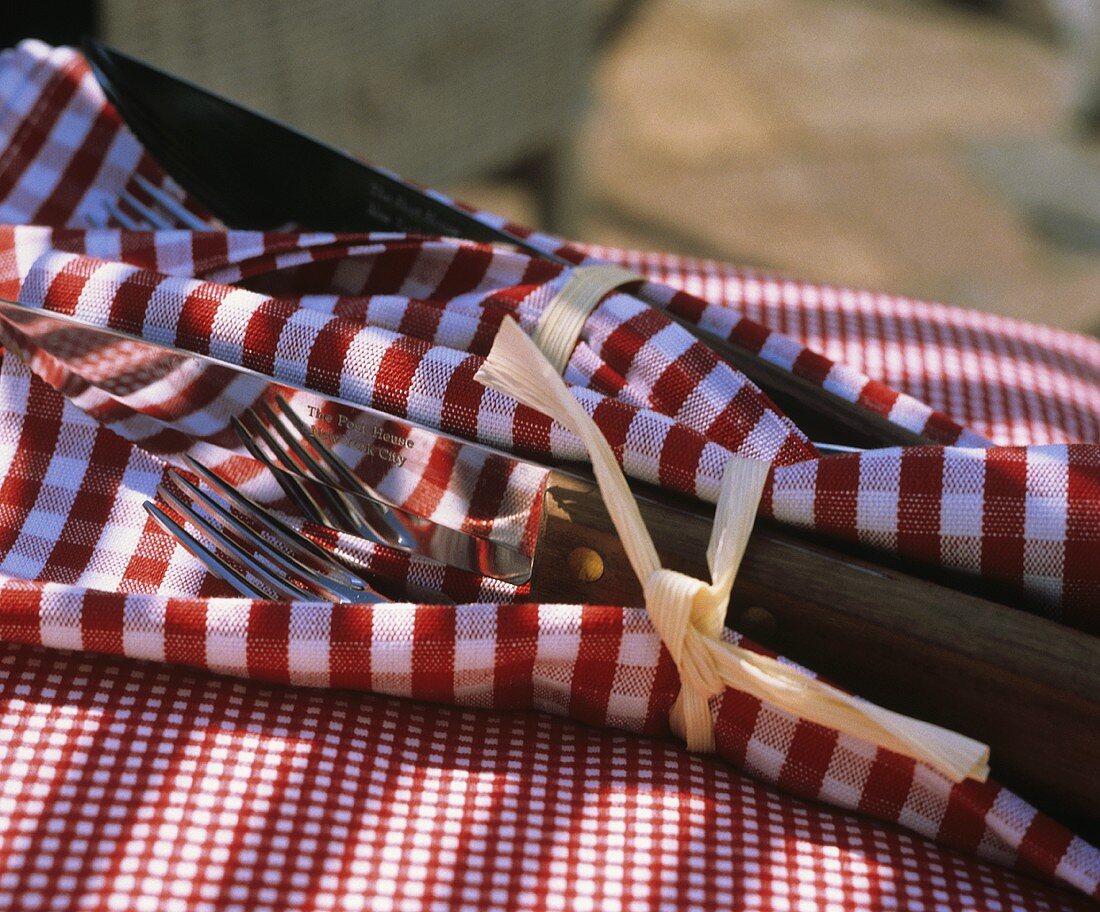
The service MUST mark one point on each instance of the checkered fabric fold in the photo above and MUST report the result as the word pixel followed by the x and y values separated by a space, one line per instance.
pixel 401 323
pixel 1027 517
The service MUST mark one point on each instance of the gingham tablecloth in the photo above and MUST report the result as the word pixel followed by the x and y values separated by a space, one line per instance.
pixel 133 785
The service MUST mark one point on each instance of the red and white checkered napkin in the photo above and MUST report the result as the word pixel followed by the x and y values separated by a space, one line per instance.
pixel 133 786
pixel 403 325
pixel 129 785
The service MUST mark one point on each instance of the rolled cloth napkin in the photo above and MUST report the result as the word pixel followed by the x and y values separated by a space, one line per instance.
pixel 411 318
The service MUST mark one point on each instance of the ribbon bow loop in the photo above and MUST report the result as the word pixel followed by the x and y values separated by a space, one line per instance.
pixel 688 614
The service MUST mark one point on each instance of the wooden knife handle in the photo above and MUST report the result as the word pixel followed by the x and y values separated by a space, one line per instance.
pixel 1025 685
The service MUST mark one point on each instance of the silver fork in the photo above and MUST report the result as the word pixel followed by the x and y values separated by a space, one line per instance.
pixel 328 491
pixel 281 440
pixel 169 212
pixel 261 558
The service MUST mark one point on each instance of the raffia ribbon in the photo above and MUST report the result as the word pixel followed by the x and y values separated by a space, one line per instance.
pixel 563 319
pixel 688 613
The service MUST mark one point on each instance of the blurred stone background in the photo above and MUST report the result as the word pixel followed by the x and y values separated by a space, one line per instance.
pixel 917 148
pixel 946 150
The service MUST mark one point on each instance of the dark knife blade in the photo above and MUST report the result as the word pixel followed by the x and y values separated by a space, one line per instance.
pixel 253 172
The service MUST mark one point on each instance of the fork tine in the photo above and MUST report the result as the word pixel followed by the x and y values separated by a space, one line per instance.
pixel 275 526
pixel 306 503
pixel 255 429
pixel 272 523
pixel 130 224
pixel 332 508
pixel 314 469
pixel 283 587
pixel 213 563
pixel 151 216
pixel 172 215
pixel 335 471
pixel 348 588
pixel 333 462
pixel 295 446
pixel 184 217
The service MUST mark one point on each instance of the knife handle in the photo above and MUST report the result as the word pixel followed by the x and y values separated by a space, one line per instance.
pixel 1025 685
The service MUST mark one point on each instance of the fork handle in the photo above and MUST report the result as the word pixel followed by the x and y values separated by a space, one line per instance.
pixel 1023 684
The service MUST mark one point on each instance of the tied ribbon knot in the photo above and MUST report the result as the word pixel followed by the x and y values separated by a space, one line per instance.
pixel 688 614
pixel 685 612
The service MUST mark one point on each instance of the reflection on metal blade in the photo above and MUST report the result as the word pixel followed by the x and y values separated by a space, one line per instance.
pixel 314 457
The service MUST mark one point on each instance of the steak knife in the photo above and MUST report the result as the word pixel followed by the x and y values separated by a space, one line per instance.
pixel 1022 684
pixel 253 172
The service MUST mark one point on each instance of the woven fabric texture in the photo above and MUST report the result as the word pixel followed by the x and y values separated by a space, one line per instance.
pixel 401 323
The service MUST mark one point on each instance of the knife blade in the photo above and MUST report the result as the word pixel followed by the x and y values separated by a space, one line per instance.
pixel 907 642
pixel 253 172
